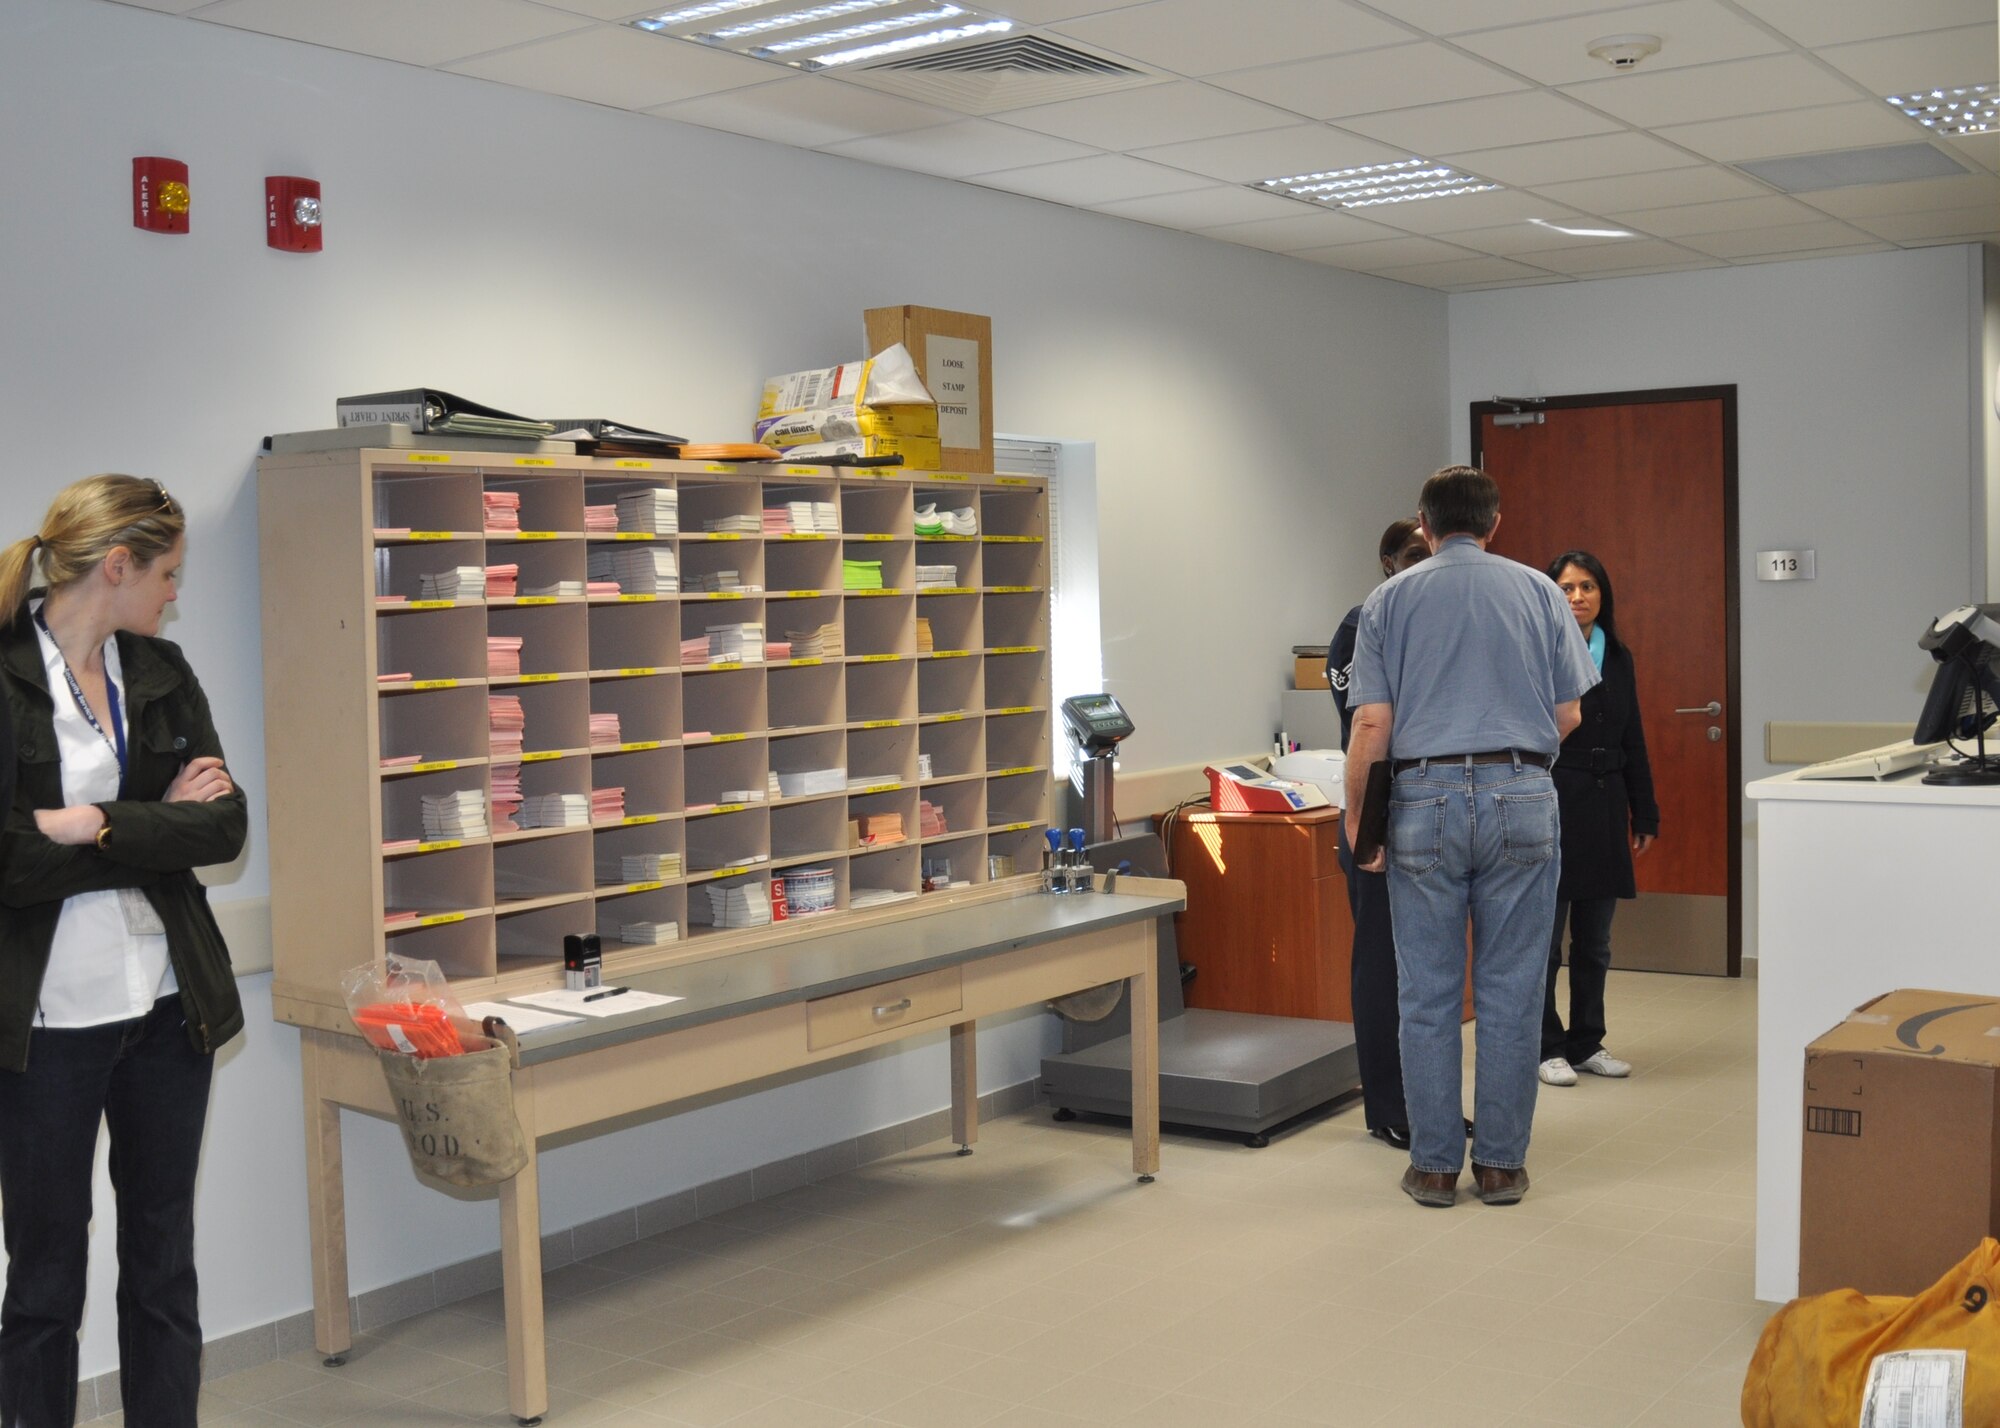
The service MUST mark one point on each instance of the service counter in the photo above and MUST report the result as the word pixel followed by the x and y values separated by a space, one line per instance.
pixel 1863 886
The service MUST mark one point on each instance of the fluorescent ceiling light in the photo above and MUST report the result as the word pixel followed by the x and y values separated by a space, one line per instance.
pixel 687 14
pixel 824 38
pixel 795 17
pixel 1583 232
pixel 806 35
pixel 910 42
pixel 1368 185
pixel 1973 109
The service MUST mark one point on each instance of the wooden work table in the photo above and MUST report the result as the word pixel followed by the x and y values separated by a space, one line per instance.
pixel 747 1015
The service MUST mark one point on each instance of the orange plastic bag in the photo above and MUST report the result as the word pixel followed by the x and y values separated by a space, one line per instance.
pixel 1811 1367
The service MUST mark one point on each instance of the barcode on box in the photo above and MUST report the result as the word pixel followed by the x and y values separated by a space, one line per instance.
pixel 1825 1120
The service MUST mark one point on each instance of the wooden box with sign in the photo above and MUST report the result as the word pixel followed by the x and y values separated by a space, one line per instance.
pixel 954 355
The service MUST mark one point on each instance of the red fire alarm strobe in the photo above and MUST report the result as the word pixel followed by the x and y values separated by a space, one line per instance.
pixel 160 195
pixel 291 213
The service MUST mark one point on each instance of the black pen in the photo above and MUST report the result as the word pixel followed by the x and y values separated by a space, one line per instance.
pixel 613 992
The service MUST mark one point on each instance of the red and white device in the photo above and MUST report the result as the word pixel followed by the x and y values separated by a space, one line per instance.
pixel 1243 788
pixel 160 195
pixel 291 213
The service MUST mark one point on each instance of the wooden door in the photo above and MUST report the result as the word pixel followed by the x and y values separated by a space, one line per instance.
pixel 1646 482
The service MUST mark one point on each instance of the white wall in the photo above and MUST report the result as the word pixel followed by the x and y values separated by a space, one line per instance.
pixel 1257 421
pixel 1853 380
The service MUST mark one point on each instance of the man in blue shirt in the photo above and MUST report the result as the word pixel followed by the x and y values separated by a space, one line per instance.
pixel 1467 674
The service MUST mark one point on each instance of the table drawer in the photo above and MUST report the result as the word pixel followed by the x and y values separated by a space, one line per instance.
pixel 850 1016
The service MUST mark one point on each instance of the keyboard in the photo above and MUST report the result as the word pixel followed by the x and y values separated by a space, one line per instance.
pixel 1874 763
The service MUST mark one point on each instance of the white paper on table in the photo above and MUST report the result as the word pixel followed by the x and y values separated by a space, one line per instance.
pixel 578 1003
pixel 520 1020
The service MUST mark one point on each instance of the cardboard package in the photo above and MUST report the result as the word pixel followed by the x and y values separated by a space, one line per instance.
pixel 1899 1178
pixel 1308 672
pixel 954 356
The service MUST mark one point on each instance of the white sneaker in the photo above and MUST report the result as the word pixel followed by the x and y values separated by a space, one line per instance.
pixel 1557 1072
pixel 1603 1063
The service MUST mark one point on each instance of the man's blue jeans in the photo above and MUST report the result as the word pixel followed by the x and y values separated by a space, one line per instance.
pixel 1472 841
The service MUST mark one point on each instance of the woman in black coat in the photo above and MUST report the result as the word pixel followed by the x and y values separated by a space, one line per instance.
pixel 1604 789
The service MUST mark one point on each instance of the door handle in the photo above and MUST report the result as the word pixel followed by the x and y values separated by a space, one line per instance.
pixel 1708 710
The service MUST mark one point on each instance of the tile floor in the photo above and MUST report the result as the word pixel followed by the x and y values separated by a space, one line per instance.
pixel 1035 1283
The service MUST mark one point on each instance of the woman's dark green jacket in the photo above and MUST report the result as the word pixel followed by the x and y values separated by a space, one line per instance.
pixel 154 846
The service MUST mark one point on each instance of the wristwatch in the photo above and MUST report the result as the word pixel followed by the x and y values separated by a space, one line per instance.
pixel 103 830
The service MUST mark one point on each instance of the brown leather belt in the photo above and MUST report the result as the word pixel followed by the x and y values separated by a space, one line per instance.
pixel 1492 756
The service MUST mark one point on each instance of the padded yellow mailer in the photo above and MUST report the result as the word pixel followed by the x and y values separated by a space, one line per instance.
pixel 1848 1360
pixel 457 1112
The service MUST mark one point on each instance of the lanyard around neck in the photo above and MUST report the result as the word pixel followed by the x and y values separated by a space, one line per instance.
pixel 116 738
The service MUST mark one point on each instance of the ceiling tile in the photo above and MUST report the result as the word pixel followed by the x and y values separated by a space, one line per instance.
pixel 1707 184
pixel 806 112
pixel 1272 153
pixel 1859 125
pixel 1977 224
pixel 1394 78
pixel 1462 272
pixel 1510 239
pixel 627 69
pixel 1792 238
pixel 1938 59
pixel 1197 37
pixel 1831 22
pixel 1923 194
pixel 606 9
pixel 1981 149
pixel 1450 17
pixel 1102 178
pixel 970 146
pixel 1307 230
pixel 1156 114
pixel 1716 91
pixel 426 34
pixel 1612 256
pixel 1770 211
pixel 1533 165
pixel 1752 259
pixel 1050 12
pixel 1201 208
pixel 1691 32
pixel 172 7
pixel 1388 253
pixel 1470 210
pixel 1495 122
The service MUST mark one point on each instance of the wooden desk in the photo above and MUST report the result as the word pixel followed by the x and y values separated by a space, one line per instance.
pixel 1267 925
pixel 749 1015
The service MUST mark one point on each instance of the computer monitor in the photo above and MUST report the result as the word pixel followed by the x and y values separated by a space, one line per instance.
pixel 1964 699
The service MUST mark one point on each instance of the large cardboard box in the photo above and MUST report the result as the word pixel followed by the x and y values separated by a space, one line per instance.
pixel 1309 672
pixel 1900 1176
pixel 954 355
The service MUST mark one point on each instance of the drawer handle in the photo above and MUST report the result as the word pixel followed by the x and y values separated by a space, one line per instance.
pixel 891 1008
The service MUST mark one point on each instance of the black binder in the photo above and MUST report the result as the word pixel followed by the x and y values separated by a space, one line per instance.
pixel 426 409
pixel 1373 831
pixel 615 438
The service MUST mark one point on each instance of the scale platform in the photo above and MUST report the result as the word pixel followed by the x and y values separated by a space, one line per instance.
pixel 1231 1071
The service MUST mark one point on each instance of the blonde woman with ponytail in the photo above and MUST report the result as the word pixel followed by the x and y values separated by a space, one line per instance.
pixel 115 985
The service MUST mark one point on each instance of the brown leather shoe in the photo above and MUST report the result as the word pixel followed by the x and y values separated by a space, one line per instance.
pixel 1433 1189
pixel 1495 1186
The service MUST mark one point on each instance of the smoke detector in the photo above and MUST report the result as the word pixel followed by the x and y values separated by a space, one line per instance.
pixel 1623 52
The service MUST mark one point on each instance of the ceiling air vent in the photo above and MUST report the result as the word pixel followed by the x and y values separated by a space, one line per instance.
pixel 1001 74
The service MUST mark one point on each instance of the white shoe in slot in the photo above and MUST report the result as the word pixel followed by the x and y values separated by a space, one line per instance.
pixel 1603 1063
pixel 1556 1072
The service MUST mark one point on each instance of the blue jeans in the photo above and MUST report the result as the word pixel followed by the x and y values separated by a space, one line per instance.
pixel 1472 841
pixel 147 1083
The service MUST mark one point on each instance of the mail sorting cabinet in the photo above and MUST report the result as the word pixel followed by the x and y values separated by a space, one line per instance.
pixel 511 697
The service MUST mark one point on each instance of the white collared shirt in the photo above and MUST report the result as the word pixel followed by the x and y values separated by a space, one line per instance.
pixel 98 971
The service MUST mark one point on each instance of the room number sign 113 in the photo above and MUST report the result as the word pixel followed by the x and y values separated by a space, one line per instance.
pixel 1784 565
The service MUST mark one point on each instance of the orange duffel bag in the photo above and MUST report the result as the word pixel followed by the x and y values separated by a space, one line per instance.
pixel 1849 1360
